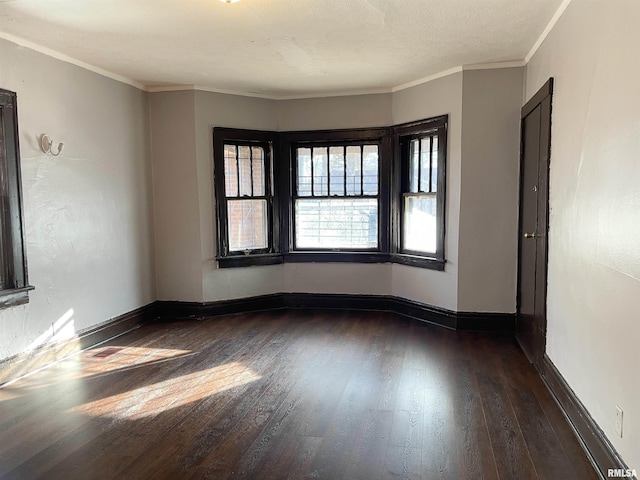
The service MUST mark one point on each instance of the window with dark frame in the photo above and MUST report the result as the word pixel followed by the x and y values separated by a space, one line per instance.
pixel 335 198
pixel 14 285
pixel 247 198
pixel 361 195
pixel 244 188
pixel 422 147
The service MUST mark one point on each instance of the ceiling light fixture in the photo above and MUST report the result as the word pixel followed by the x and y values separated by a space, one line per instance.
pixel 229 1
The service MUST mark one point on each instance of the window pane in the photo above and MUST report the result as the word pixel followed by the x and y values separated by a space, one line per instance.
pixel 336 223
pixel 247 222
pixel 320 172
pixel 244 165
pixel 354 177
pixel 414 152
pixel 4 194
pixel 420 226
pixel 434 166
pixel 425 153
pixel 304 171
pixel 230 171
pixel 370 170
pixel 337 170
pixel 258 171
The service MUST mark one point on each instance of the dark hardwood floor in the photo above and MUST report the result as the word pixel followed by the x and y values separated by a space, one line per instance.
pixel 289 395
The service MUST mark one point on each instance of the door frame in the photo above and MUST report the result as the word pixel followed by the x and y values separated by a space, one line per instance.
pixel 546 91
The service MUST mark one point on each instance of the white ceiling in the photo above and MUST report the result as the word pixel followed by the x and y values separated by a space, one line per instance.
pixel 280 48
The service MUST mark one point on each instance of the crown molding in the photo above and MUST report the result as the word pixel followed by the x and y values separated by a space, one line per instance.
pixel 495 65
pixel 67 59
pixel 430 78
pixel 340 93
pixel 552 23
pixel 175 88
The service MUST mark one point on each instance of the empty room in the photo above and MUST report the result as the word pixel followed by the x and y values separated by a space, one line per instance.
pixel 288 239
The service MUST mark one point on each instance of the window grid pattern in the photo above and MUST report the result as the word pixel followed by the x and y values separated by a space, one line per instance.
pixel 246 196
pixel 420 222
pixel 336 197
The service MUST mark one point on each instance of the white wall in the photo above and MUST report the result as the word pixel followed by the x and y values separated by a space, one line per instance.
pixel 437 97
pixel 489 191
pixel 360 111
pixel 594 247
pixel 87 212
pixel 356 111
pixel 219 110
pixel 176 207
pixel 182 123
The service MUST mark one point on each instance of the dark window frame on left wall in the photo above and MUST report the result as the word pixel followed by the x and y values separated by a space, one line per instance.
pixel 14 281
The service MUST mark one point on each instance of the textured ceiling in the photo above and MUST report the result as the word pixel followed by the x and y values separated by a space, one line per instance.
pixel 280 48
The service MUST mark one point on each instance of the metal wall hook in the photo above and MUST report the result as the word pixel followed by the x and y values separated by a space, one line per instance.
pixel 46 143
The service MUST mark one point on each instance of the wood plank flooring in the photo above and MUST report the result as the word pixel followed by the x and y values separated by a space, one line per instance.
pixel 289 395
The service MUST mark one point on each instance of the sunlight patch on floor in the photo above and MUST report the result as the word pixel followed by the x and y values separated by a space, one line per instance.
pixel 109 358
pixel 151 400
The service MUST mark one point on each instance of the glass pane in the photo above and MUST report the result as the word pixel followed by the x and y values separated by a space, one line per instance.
pixel 336 223
pixel 370 170
pixel 320 172
pixel 425 153
pixel 247 222
pixel 414 152
pixel 2 162
pixel 230 171
pixel 304 172
pixel 420 225
pixel 244 165
pixel 258 171
pixel 336 169
pixel 354 177
pixel 434 166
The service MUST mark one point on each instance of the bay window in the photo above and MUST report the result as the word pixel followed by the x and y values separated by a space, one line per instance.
pixel 360 195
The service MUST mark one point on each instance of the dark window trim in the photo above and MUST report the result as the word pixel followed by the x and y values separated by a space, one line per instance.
pixel 269 141
pixel 283 172
pixel 15 285
pixel 250 260
pixel 325 138
pixel 267 197
pixel 402 136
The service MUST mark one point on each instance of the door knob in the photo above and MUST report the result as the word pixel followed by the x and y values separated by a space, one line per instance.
pixel 530 235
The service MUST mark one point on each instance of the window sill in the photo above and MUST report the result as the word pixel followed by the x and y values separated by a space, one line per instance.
pixel 250 260
pixel 336 257
pixel 365 257
pixel 418 261
pixel 331 257
pixel 15 296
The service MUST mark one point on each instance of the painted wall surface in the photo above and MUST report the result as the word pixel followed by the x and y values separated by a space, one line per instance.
pixel 594 251
pixel 182 124
pixel 187 269
pixel 176 208
pixel 356 111
pixel 359 278
pixel 88 213
pixel 488 253
pixel 437 97
pixel 220 110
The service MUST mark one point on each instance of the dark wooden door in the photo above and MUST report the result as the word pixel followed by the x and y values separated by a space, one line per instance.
pixel 533 227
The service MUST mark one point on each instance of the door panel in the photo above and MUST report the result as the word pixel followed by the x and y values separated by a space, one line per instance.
pixel 534 200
